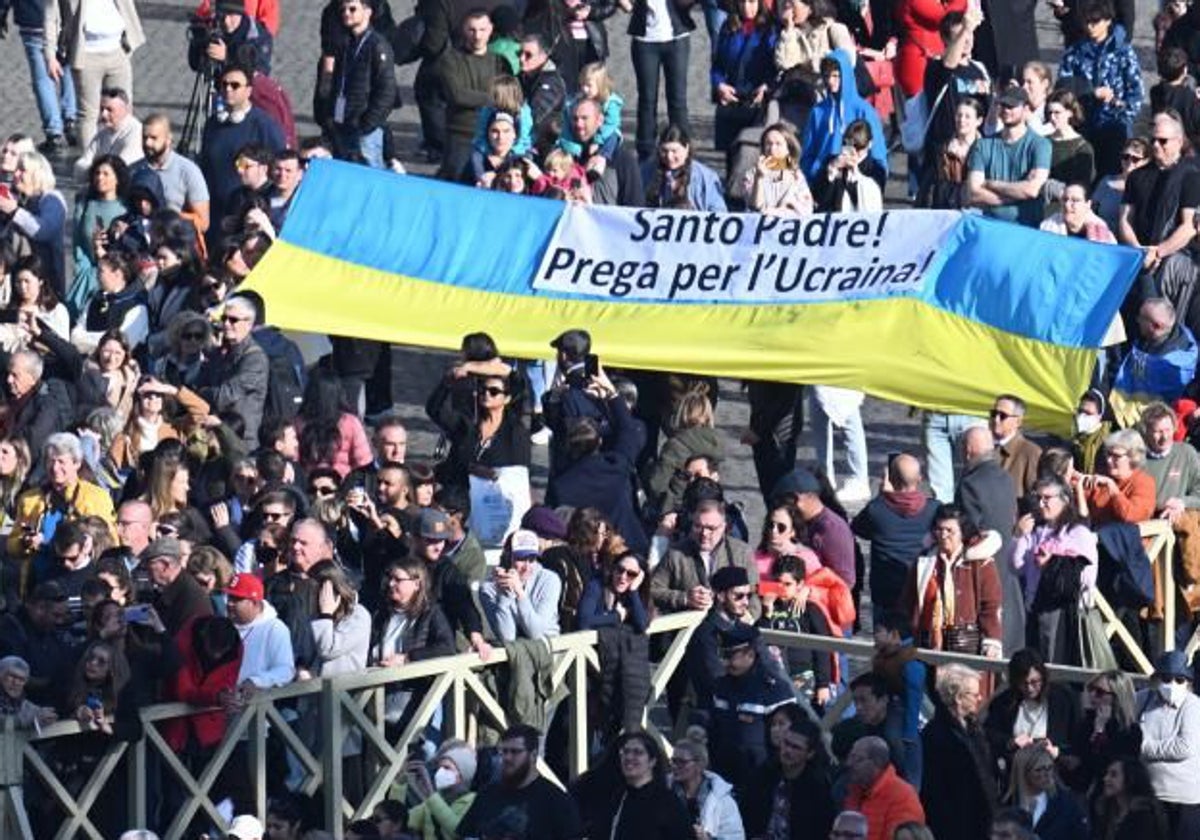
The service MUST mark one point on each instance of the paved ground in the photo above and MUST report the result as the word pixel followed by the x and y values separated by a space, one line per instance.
pixel 164 82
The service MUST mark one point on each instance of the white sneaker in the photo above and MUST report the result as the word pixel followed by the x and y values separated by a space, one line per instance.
pixel 855 490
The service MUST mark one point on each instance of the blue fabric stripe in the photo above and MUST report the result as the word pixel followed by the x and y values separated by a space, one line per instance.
pixel 1051 288
pixel 419 227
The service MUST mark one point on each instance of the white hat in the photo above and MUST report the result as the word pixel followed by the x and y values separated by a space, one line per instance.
pixel 245 827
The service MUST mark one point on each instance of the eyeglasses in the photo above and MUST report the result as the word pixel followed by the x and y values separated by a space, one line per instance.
pixel 191 336
pixel 493 391
pixel 739 596
pixel 274 515
pixel 997 414
pixel 231 85
pixel 234 319
pixel 1132 158
pixel 1116 456
pixel 682 762
pixel 323 490
pixel 400 579
pixel 630 574
pixel 1043 499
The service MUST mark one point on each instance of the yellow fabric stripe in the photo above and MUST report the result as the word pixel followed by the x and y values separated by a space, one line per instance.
pixel 899 349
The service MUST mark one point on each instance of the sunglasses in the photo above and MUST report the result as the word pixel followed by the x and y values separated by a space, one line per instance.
pixel 493 391
pixel 231 85
pixel 191 336
pixel 233 319
pixel 1132 158
pixel 780 527
pixel 739 596
pixel 323 490
pixel 628 574
pixel 997 414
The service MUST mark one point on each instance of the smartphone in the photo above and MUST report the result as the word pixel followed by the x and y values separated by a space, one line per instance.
pixel 137 614
pixel 5 192
pixel 356 496
pixel 591 365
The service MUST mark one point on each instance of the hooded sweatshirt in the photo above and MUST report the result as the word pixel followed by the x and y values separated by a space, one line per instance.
pixel 831 116
pixel 266 650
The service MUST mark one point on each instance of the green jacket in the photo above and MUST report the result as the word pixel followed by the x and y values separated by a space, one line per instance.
pixel 664 478
pixel 436 819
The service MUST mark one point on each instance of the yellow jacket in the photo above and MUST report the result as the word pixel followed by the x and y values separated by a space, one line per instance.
pixel 83 499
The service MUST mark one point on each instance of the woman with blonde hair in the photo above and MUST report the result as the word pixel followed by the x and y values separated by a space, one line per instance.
pixel 38 211
pixel 1034 787
pixel 957 786
pixel 1107 731
pixel 693 433
pixel 775 186
pixel 15 463
pixel 188 337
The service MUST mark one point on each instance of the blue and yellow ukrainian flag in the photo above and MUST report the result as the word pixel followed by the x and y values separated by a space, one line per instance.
pixel 408 260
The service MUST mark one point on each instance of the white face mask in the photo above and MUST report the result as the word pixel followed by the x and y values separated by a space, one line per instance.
pixel 1085 424
pixel 444 778
pixel 1173 692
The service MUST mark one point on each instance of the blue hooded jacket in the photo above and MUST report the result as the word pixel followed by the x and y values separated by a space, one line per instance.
pixel 829 118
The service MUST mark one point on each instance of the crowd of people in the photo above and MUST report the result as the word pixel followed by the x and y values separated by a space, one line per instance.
pixel 192 511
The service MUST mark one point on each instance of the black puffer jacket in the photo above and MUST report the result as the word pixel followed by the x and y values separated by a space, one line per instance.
pixel 364 73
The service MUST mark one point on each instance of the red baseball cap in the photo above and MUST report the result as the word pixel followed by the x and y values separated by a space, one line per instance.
pixel 245 586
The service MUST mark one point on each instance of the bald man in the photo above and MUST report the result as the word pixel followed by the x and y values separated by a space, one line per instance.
pixel 988 497
pixel 896 523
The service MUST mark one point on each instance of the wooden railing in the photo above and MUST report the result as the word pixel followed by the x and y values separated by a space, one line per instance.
pixel 354 702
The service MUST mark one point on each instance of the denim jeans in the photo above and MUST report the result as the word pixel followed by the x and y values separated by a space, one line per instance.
pixel 352 145
pixel 54 105
pixel 941 433
pixel 648 58
pixel 856 440
pixel 714 19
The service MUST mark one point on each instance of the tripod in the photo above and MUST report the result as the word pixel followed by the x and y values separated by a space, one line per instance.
pixel 199 107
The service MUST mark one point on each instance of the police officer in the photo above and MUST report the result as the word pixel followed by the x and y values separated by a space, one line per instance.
pixel 743 700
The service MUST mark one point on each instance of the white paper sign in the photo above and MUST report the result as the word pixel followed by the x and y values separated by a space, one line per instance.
pixel 497 506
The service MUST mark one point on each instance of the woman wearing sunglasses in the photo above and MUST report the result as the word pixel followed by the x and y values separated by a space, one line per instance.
pixel 489 434
pixel 1107 731
pixel 612 603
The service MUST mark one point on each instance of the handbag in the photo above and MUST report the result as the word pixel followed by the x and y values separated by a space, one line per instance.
pixel 962 638
pixel 917 118
pixel 1060 584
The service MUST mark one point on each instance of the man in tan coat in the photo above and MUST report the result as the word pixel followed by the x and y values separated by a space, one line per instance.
pixel 1017 454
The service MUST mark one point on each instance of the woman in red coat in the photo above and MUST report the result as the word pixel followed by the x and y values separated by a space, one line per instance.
pixel 918 22
pixel 211 650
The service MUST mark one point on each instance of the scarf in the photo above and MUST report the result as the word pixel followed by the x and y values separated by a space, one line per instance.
pixel 906 503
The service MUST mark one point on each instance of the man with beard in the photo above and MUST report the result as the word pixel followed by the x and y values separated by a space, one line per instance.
pixel 181 182
pixel 551 813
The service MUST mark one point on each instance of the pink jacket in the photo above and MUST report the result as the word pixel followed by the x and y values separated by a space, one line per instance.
pixel 353 448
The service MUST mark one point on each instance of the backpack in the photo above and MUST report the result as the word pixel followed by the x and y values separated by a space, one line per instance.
pixel 285 375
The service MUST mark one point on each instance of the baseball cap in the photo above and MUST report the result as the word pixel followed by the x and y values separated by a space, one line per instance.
pixel 245 586
pixel 798 481
pixel 544 522
pixel 433 525
pixel 1012 97
pixel 246 827
pixel 525 544
pixel 162 547
pixel 574 344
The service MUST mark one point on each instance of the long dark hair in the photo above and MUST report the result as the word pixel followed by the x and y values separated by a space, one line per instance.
pixel 679 187
pixel 320 412
pixel 47 299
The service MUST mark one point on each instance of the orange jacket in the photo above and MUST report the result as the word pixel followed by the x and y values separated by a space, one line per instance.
pixel 887 803
pixel 1134 501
